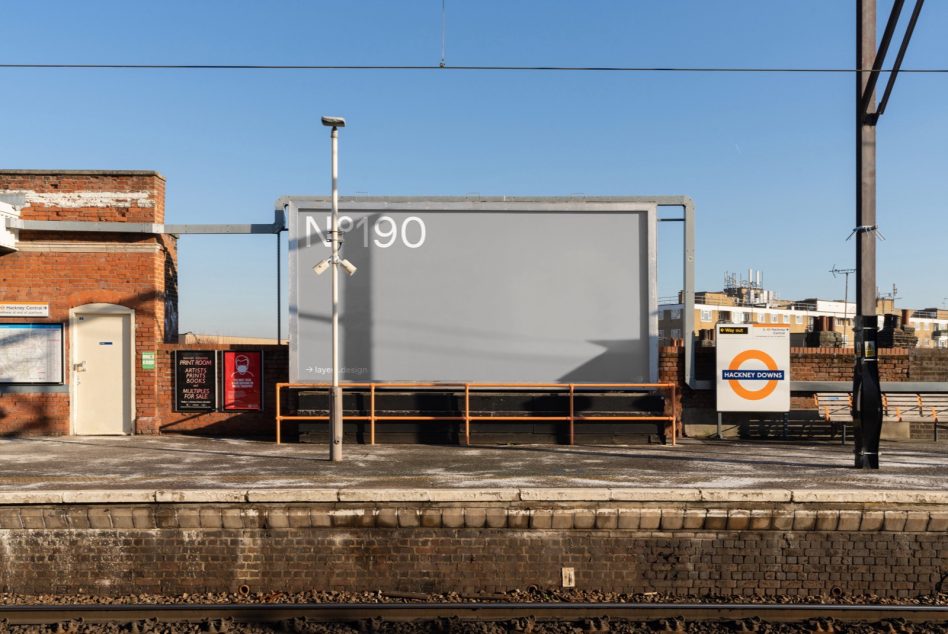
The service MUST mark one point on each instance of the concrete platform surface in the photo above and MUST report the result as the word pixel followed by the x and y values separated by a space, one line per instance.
pixel 231 467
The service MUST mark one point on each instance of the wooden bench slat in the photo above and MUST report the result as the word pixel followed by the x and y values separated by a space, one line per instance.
pixel 935 406
pixel 834 406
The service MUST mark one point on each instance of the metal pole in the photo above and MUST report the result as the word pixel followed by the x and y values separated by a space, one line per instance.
pixel 845 305
pixel 279 332
pixel 335 448
pixel 867 397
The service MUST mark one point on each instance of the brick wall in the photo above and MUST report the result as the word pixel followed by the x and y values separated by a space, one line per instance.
pixel 176 548
pixel 72 269
pixel 276 364
pixel 836 364
pixel 34 414
pixel 928 365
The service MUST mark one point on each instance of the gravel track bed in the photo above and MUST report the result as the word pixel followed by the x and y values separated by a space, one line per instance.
pixel 530 595
pixel 451 626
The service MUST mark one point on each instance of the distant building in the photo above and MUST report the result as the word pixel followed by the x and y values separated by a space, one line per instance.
pixel 746 302
pixel 931 326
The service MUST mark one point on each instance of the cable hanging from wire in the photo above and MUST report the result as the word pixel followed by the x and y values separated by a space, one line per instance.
pixel 443 30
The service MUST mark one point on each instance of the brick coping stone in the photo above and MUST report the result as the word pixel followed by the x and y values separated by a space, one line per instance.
pixel 533 496
pixel 680 521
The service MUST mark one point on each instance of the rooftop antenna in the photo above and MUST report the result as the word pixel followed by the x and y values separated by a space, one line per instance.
pixel 894 294
pixel 836 271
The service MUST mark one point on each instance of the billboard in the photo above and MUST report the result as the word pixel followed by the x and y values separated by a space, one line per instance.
pixel 753 368
pixel 488 289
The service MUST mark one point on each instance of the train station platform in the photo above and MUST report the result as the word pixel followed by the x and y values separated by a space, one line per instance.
pixel 170 463
pixel 175 514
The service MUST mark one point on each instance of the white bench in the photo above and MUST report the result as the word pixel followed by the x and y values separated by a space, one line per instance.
pixel 835 407
pixel 935 408
pixel 897 407
pixel 902 407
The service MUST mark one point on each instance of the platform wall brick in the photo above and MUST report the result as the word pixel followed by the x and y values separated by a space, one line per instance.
pixel 171 549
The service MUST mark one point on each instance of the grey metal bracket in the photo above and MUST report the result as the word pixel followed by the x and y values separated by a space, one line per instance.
pixel 278 225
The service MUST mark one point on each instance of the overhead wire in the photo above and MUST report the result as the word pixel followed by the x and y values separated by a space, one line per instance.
pixel 486 68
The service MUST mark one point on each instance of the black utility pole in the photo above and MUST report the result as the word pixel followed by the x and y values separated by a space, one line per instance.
pixel 867 395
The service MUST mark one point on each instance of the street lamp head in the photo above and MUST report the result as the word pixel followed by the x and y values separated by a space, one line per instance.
pixel 334 122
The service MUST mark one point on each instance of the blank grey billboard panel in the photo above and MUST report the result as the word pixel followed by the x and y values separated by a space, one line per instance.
pixel 460 290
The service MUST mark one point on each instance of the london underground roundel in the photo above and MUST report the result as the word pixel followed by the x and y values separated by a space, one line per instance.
pixel 753 363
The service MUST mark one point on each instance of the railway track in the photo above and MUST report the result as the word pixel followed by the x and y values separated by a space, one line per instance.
pixel 354 612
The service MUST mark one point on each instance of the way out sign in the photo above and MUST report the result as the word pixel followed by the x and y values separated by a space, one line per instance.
pixel 753 368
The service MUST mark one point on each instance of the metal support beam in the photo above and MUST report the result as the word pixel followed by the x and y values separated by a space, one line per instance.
pixel 870 88
pixel 689 293
pixel 278 225
pixel 898 59
pixel 144 228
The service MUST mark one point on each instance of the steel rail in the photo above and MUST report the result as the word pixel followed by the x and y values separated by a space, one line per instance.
pixel 349 612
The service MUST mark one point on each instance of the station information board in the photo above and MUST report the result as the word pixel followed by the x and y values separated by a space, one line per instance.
pixel 31 353
pixel 752 368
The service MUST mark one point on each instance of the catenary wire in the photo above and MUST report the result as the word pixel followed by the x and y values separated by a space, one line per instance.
pixel 488 68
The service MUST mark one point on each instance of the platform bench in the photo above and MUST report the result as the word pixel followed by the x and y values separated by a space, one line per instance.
pixel 835 407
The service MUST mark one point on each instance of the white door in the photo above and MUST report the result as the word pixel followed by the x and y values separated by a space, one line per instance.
pixel 102 373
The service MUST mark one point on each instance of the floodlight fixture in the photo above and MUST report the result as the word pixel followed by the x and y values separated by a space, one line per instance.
pixel 348 266
pixel 322 266
pixel 334 122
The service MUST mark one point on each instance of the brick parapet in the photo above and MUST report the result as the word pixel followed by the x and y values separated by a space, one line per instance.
pixel 684 542
pixel 116 561
pixel 561 516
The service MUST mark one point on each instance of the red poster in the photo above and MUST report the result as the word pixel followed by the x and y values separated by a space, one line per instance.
pixel 243 380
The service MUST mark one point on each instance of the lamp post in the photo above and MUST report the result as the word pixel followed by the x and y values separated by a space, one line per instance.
pixel 335 407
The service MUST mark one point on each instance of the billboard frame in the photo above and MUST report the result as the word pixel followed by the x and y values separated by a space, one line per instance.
pixel 292 205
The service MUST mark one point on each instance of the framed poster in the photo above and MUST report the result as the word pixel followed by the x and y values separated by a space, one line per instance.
pixel 243 380
pixel 195 380
pixel 31 353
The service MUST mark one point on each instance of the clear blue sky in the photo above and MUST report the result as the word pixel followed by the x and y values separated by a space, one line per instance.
pixel 768 159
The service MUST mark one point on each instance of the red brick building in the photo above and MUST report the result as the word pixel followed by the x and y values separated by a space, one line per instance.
pixel 113 292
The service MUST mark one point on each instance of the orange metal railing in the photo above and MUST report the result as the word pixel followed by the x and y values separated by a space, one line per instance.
pixel 570 388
